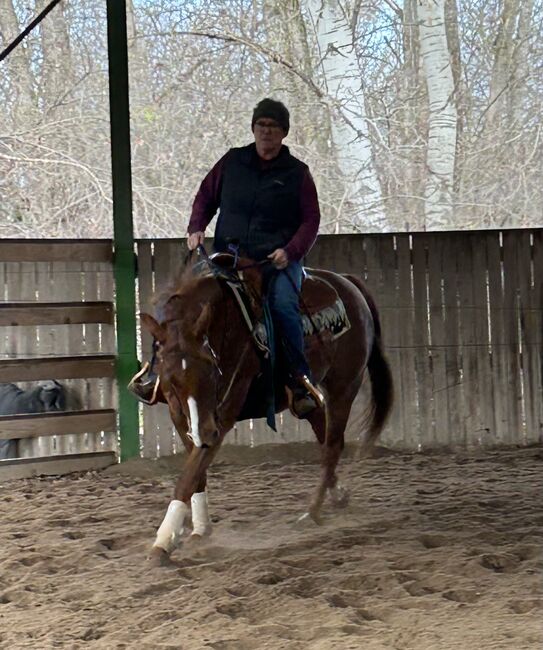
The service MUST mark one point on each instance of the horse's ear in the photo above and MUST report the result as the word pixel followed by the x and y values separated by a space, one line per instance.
pixel 153 327
pixel 202 324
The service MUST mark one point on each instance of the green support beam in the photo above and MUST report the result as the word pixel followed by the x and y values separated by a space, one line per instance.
pixel 125 262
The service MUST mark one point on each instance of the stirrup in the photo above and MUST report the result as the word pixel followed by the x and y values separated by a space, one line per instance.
pixel 313 391
pixel 134 386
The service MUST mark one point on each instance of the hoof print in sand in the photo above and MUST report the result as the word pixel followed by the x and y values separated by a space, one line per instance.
pixel 500 562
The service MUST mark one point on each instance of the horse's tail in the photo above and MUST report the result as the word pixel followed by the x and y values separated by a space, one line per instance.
pixel 382 387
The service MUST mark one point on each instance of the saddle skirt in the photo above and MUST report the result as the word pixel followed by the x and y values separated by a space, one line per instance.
pixel 322 310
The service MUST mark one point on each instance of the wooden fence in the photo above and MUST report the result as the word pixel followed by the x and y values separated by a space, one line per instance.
pixel 462 322
pixel 57 322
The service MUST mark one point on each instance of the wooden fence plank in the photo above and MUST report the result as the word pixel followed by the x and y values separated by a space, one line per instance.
pixel 487 424
pixel 452 259
pixel 69 367
pixel 471 386
pixel 438 341
pixel 535 350
pixel 56 251
pixel 497 349
pixel 57 423
pixel 511 264
pixel 423 366
pixel 407 409
pixel 55 313
pixel 54 465
pixel 530 338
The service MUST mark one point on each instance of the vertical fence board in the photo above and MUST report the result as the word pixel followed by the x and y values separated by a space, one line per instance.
pixel 440 394
pixel 452 259
pixel 511 322
pixel 407 357
pixel 535 351
pixel 471 385
pixel 423 366
pixel 528 339
pixel 486 424
pixel 497 333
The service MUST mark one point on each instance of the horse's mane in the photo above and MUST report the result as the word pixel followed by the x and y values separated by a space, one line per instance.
pixel 187 295
pixel 186 286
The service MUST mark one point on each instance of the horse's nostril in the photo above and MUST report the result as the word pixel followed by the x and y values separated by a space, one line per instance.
pixel 205 445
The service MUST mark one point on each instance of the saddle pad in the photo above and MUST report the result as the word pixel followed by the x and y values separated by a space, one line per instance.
pixel 331 319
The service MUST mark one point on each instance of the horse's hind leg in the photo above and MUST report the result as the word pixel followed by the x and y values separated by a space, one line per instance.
pixel 331 448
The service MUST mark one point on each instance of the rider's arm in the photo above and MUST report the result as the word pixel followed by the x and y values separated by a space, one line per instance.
pixel 207 199
pixel 305 236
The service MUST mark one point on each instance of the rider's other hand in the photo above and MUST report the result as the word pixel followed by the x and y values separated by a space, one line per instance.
pixel 279 258
pixel 194 240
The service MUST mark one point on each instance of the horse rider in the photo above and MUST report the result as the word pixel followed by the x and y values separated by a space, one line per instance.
pixel 268 206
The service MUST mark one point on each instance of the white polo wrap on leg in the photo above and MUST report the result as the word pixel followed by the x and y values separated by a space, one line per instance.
pixel 201 523
pixel 171 529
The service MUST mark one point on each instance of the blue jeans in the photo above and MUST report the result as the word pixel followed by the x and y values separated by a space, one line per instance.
pixel 283 289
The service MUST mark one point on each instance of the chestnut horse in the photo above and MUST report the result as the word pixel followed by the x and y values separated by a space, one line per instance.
pixel 207 360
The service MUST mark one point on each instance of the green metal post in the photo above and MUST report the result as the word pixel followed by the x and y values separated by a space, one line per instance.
pixel 124 264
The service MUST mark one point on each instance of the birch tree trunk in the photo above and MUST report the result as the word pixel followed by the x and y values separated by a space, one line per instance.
pixel 362 206
pixel 442 116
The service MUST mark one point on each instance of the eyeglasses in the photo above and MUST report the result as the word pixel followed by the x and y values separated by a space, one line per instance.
pixel 268 125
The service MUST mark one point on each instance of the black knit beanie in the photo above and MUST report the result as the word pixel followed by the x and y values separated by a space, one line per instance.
pixel 274 110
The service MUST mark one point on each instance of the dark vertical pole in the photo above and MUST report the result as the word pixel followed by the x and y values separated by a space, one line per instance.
pixel 125 269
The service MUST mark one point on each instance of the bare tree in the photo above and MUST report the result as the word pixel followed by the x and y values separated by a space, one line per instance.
pixel 414 114
pixel 442 116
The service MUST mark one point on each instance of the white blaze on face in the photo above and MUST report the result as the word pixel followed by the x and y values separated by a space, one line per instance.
pixel 184 364
pixel 201 524
pixel 194 432
pixel 171 528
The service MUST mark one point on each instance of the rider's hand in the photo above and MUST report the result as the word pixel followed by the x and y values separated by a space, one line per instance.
pixel 194 240
pixel 279 258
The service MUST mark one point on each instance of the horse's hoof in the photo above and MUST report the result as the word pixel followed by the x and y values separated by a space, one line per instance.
pixel 316 516
pixel 339 497
pixel 158 557
pixel 195 539
pixel 201 534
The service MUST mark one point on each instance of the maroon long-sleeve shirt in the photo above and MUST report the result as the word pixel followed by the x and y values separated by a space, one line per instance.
pixel 208 198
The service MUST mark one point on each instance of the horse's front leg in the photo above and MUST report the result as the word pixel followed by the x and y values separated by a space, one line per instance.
pixel 190 491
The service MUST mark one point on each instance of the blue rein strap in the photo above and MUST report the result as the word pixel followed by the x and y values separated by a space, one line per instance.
pixel 234 249
pixel 270 367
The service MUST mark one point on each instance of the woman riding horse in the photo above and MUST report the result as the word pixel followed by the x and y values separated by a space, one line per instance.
pixel 268 210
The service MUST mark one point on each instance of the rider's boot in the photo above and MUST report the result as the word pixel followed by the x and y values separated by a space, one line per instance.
pixel 306 397
pixel 144 384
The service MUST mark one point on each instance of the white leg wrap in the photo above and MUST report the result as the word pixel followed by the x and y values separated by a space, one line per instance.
pixel 201 524
pixel 171 528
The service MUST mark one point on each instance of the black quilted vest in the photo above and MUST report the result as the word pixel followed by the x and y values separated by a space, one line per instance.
pixel 259 208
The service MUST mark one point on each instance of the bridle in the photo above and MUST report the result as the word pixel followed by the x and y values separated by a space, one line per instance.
pixel 215 360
